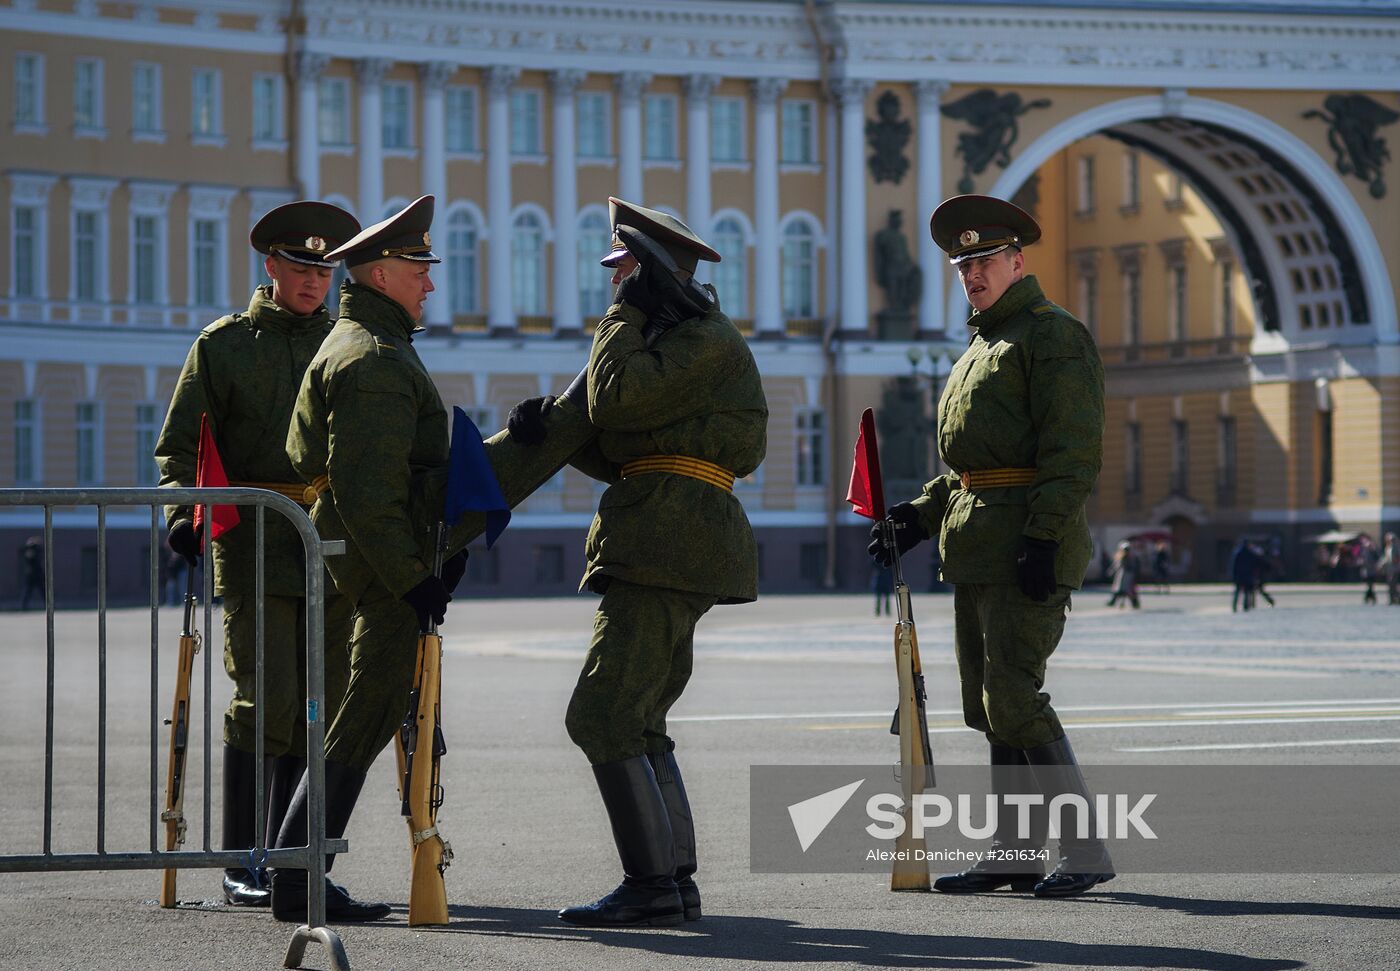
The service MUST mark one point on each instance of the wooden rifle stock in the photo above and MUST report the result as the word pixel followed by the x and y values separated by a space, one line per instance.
pixel 174 813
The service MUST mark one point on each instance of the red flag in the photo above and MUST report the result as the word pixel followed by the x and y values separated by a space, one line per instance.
pixel 867 491
pixel 209 474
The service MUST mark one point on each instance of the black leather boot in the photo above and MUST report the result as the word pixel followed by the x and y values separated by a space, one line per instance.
pixel 642 831
pixel 1084 862
pixel 343 785
pixel 668 779
pixel 998 871
pixel 243 886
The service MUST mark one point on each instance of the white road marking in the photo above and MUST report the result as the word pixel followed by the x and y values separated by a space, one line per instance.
pixel 1322 743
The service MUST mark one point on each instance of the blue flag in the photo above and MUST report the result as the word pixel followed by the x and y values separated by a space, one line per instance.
pixel 471 481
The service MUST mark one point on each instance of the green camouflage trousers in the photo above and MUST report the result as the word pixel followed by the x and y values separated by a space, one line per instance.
pixel 637 666
pixel 383 651
pixel 1003 639
pixel 284 669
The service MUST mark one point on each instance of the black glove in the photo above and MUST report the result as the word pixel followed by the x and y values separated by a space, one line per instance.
pixel 908 533
pixel 429 600
pixel 642 289
pixel 184 539
pixel 1035 568
pixel 526 420
pixel 453 569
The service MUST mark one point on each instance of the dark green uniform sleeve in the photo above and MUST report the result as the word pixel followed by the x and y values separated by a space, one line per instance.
pixel 934 502
pixel 1066 397
pixel 373 419
pixel 177 448
pixel 593 463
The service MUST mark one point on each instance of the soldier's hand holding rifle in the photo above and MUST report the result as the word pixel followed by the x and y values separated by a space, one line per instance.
pixel 184 539
pixel 908 533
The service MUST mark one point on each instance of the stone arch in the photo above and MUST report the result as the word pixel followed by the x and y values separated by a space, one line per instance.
pixel 1312 192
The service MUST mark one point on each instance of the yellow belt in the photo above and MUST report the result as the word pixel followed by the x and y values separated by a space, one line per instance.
pixel 296 491
pixel 996 478
pixel 682 465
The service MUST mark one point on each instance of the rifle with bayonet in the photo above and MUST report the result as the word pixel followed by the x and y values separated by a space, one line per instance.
pixel 420 746
pixel 174 813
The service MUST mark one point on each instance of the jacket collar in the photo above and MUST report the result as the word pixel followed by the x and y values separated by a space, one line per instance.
pixel 367 305
pixel 267 314
pixel 1017 297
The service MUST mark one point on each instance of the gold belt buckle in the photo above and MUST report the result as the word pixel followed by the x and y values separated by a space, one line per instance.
pixel 309 495
pixel 965 480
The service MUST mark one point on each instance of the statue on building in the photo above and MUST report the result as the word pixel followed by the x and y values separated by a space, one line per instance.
pixel 993 120
pixel 888 134
pixel 1352 121
pixel 899 276
pixel 906 436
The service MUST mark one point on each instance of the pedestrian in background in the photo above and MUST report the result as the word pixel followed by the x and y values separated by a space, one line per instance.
pixel 1390 567
pixel 1368 561
pixel 33 554
pixel 882 582
pixel 1243 571
pixel 1263 572
pixel 1161 567
pixel 1125 571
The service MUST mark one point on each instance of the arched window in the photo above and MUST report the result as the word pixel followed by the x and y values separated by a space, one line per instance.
pixel 462 262
pixel 799 271
pixel 527 265
pixel 730 275
pixel 594 281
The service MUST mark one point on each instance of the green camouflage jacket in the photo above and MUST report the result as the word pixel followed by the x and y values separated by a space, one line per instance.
pixel 1027 393
pixel 695 392
pixel 243 372
pixel 370 418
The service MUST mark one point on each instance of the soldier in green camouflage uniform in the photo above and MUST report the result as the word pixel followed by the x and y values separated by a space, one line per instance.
pixel 370 432
pixel 243 373
pixel 1021 422
pixel 680 411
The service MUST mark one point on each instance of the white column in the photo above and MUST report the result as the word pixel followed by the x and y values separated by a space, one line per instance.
pixel 698 89
pixel 928 165
pixel 630 85
pixel 308 68
pixel 433 160
pixel 768 302
pixel 567 318
pixel 500 309
pixel 369 75
pixel 850 93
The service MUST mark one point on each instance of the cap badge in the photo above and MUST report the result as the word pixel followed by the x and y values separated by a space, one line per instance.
pixel 969 237
pixel 316 244
pixel 427 241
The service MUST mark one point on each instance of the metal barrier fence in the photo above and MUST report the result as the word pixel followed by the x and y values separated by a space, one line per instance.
pixel 311 857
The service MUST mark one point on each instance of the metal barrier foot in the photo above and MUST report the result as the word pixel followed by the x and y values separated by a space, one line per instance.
pixel 305 934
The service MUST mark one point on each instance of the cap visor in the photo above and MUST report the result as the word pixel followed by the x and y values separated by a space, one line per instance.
pixel 615 257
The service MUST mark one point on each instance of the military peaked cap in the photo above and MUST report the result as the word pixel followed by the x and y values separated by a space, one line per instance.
pixel 304 232
pixel 404 234
pixel 968 226
pixel 685 247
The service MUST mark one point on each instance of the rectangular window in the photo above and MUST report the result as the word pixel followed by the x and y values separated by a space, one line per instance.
pixel 25 242
pixel 1180 302
pixel 592 115
pixel 145 239
pixel 526 123
pixel 333 111
pixel 1324 440
pixel 27 440
pixel 1089 302
pixel 462 272
pixel 29 89
pixel 207 118
pixel 87 254
pixel 1084 204
pixel 1132 307
pixel 1132 459
pixel 87 93
pixel 461 118
pixel 267 108
pixel 397 118
pixel 207 243
pixel 1226 462
pixel 1227 299
pixel 799 274
pixel 727 130
pixel 1181 458
pixel 89 443
pixel 659 127
pixel 145 98
pixel 1175 191
pixel 811 448
pixel 1132 180
pixel 549 563
pixel 147 428
pixel 799 135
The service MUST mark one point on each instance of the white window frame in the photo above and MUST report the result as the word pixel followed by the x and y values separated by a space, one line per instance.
pixel 736 305
pixel 341 88
pixel 155 130
pixel 469 94
pixel 37 275
pixel 1132 305
pixel 150 199
pixel 147 430
pixel 214 137
pixel 808 463
pixel 274 140
pixel 740 131
pixel 458 305
pixel 524 303
pixel 1132 181
pixel 35 426
pixel 96 125
pixel 97 458
pixel 1178 302
pixel 209 204
pixel 534 135
pixel 663 154
pixel 1086 187
pixel 811 140
pixel 36 124
pixel 814 234
pixel 592 278
pixel 31 191
pixel 91 196
pixel 604 98
pixel 402 89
